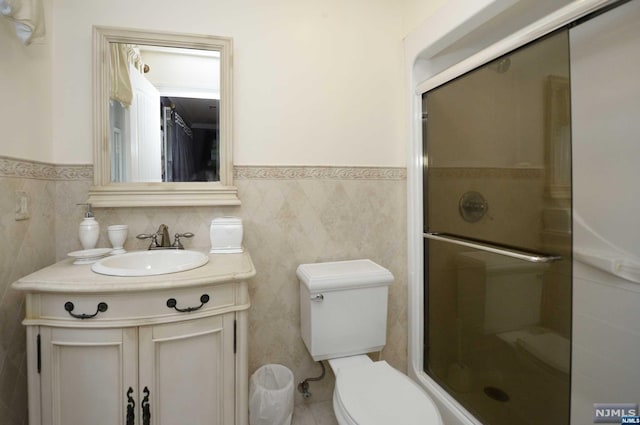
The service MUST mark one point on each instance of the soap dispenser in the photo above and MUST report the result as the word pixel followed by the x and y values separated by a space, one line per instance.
pixel 89 230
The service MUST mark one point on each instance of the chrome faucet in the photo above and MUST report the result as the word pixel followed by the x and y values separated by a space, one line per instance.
pixel 161 240
pixel 163 232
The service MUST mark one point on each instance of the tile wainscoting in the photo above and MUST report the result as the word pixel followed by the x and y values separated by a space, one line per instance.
pixel 291 215
pixel 27 245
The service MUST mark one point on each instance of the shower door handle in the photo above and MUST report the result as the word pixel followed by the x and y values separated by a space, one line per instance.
pixel 532 257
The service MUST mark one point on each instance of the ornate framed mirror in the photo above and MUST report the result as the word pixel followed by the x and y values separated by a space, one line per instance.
pixel 162 119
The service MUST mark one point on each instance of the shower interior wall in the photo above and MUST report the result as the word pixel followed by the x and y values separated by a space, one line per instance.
pixel 605 56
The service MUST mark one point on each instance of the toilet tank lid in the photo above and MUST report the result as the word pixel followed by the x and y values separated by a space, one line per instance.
pixel 339 275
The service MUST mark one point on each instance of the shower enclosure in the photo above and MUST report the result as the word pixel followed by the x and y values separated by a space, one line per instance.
pixel 497 217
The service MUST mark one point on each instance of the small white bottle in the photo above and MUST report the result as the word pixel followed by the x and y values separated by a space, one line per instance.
pixel 89 230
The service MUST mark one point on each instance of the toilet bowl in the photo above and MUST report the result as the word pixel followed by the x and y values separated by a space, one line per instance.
pixel 374 393
pixel 343 316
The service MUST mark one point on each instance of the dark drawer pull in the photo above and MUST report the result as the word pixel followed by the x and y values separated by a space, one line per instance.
pixel 131 404
pixel 146 407
pixel 68 306
pixel 172 303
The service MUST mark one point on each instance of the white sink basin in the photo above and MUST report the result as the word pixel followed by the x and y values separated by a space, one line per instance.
pixel 148 263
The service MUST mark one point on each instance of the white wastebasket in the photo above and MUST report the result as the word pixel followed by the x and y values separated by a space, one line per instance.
pixel 271 396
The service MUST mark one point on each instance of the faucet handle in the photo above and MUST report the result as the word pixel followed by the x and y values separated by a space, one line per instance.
pixel 152 236
pixel 176 242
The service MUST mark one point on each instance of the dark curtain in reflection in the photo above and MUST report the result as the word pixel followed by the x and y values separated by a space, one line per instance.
pixel 181 143
pixel 191 152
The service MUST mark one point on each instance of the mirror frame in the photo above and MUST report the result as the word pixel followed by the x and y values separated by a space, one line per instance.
pixel 105 193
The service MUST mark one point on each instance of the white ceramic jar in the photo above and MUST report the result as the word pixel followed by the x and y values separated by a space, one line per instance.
pixel 89 229
pixel 226 235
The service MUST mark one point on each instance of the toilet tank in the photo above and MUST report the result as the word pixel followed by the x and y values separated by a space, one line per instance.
pixel 500 292
pixel 343 307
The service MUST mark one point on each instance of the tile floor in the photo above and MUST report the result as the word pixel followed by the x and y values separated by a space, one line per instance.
pixel 319 413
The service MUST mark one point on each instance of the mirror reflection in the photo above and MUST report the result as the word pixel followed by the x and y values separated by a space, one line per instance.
pixel 164 114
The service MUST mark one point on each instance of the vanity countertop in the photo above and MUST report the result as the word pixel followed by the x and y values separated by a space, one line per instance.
pixel 64 276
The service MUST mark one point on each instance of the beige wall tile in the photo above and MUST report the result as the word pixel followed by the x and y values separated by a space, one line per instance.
pixel 28 245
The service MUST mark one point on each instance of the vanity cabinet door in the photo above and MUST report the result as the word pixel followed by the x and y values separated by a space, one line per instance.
pixel 188 369
pixel 86 373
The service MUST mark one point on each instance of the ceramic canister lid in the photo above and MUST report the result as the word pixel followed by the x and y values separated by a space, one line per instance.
pixel 227 220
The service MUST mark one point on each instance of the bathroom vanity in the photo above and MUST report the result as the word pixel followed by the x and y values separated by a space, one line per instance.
pixel 169 349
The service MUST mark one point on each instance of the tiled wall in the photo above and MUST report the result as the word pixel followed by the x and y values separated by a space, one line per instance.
pixel 291 215
pixel 26 246
pixel 319 220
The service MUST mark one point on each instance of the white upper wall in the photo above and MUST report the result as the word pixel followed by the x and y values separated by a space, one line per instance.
pixel 417 11
pixel 316 82
pixel 25 84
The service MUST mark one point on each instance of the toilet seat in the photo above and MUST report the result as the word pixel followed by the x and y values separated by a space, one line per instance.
pixel 376 394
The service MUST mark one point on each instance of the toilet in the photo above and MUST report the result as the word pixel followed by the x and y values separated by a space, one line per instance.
pixel 343 316
pixel 511 291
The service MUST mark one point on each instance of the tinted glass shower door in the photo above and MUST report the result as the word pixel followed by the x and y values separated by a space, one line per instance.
pixel 498 237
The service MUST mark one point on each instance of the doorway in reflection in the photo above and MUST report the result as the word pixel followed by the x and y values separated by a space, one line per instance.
pixel 190 148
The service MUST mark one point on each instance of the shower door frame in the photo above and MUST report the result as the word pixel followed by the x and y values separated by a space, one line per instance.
pixel 421 58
